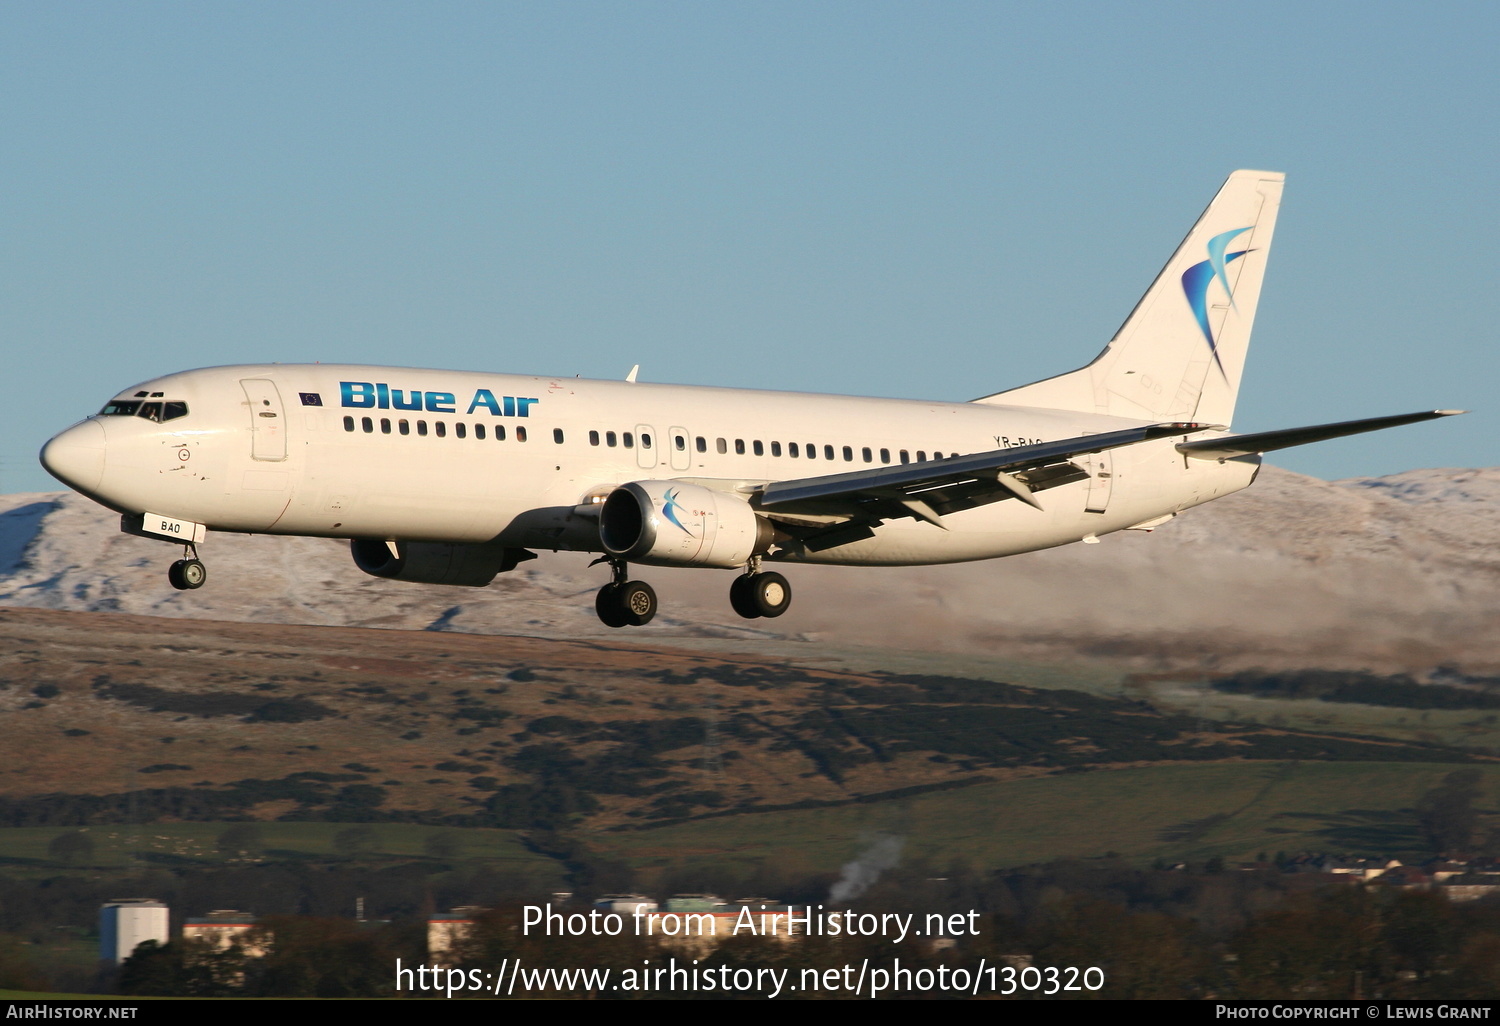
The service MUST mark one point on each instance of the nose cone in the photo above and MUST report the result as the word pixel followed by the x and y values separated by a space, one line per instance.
pixel 76 457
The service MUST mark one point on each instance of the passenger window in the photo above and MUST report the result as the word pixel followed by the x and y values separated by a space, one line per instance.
pixel 610 439
pixel 760 450
pixel 459 429
pixel 775 448
pixel 921 456
pixel 348 423
pixel 557 435
pixel 385 425
pixel 885 455
pixel 679 443
pixel 812 451
pixel 905 456
pixel 479 431
pixel 174 410
pixel 791 450
pixel 441 428
pixel 865 455
pixel 593 438
pixel 645 441
pixel 367 424
pixel 721 445
pixel 422 428
pixel 848 455
pixel 403 426
pixel 739 447
pixel 828 452
pixel 937 455
pixel 628 439
pixel 520 434
pixel 702 443
pixel 499 432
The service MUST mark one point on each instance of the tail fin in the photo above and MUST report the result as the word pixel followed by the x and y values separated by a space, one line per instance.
pixel 1179 354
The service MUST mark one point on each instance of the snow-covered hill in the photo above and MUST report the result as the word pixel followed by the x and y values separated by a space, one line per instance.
pixel 1400 571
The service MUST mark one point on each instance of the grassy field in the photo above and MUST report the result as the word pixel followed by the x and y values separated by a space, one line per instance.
pixel 186 844
pixel 1174 813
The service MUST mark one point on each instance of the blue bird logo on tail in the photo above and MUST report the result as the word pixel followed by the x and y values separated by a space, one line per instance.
pixel 1196 279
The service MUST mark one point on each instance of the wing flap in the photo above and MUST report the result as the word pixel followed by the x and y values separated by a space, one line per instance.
pixel 953 484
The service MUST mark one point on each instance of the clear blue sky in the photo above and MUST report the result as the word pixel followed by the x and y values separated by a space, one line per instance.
pixel 932 200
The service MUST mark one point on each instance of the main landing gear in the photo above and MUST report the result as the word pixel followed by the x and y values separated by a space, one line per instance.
pixel 623 603
pixel 626 603
pixel 757 593
pixel 188 573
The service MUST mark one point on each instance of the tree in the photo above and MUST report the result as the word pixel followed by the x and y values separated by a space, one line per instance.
pixel 442 846
pixel 1446 813
pixel 72 848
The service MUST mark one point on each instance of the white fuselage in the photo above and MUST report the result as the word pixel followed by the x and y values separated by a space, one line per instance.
pixel 355 452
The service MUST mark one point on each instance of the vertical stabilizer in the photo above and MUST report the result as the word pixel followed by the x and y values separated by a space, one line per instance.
pixel 1179 354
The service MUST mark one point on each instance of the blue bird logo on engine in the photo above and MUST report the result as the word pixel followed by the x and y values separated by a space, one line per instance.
pixel 671 507
pixel 1196 280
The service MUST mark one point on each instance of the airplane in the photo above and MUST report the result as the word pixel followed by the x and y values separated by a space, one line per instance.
pixel 446 477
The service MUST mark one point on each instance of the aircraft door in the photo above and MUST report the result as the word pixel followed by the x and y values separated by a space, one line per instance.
pixel 267 419
pixel 645 446
pixel 679 448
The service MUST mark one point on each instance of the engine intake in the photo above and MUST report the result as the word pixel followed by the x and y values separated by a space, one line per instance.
pixel 670 523
pixel 472 566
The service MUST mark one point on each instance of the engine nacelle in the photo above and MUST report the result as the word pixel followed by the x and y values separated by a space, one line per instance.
pixel 473 566
pixel 669 523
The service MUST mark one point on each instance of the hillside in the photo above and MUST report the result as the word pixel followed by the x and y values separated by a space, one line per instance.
pixel 1394 573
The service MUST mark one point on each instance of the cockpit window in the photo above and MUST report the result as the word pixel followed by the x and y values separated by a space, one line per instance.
pixel 154 411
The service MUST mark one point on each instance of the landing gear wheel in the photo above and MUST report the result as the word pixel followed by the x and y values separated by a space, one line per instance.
pixel 638 599
pixel 631 604
pixel 607 604
pixel 187 574
pixel 772 593
pixel 742 598
pixel 757 595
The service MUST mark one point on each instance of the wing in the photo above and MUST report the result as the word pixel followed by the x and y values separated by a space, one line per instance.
pixel 841 508
pixel 1265 441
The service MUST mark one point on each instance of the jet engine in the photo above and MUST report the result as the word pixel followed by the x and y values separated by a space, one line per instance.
pixel 671 523
pixel 435 562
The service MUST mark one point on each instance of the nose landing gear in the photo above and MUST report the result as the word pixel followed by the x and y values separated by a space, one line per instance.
pixel 188 573
pixel 624 603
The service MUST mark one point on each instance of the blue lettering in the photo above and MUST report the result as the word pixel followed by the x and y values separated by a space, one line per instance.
pixel 397 400
pixel 484 397
pixel 359 394
pixel 383 396
pixel 440 402
pixel 510 406
pixel 523 405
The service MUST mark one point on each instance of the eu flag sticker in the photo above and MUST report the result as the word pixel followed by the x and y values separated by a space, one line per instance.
pixel 311 399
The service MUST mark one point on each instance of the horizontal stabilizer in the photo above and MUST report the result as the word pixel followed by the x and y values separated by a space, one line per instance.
pixel 1265 441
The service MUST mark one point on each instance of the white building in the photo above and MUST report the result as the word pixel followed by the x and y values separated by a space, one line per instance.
pixel 127 922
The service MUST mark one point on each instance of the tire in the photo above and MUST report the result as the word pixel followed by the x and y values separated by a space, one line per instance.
pixel 638 600
pixel 742 597
pixel 772 593
pixel 609 607
pixel 194 574
pixel 174 576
